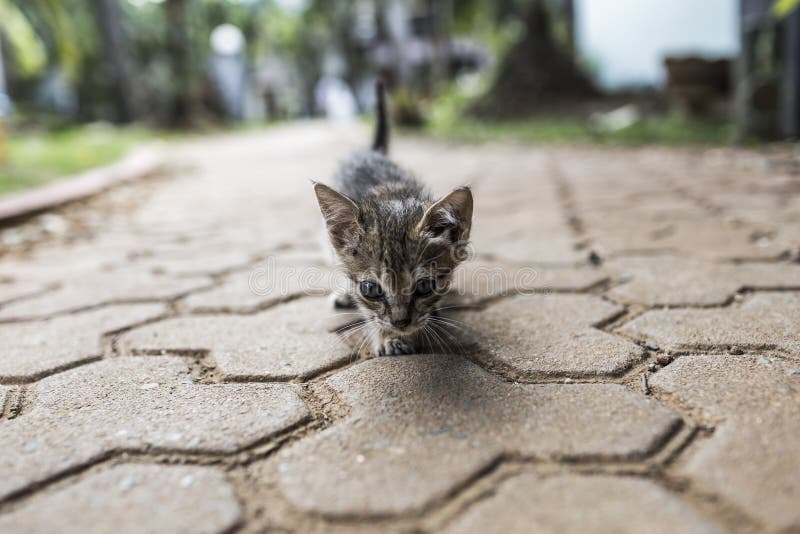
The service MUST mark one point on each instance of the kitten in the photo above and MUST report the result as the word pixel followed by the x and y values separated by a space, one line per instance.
pixel 397 246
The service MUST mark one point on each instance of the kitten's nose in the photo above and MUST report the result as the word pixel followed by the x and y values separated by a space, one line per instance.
pixel 401 323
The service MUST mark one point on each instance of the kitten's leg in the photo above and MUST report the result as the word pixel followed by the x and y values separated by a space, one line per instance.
pixel 392 347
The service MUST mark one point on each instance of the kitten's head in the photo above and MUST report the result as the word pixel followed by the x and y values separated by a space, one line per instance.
pixel 399 252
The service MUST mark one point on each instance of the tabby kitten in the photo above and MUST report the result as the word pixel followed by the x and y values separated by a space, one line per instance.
pixel 397 246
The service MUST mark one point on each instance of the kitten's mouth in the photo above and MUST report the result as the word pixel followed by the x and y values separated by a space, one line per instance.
pixel 402 331
pixel 405 331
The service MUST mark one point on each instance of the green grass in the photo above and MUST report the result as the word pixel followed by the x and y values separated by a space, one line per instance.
pixel 666 130
pixel 35 158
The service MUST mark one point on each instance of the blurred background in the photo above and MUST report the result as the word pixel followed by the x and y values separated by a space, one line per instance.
pixel 83 80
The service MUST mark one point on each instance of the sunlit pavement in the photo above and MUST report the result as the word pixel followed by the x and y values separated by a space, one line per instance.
pixel 165 367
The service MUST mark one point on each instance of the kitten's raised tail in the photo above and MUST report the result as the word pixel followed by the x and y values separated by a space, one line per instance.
pixel 381 142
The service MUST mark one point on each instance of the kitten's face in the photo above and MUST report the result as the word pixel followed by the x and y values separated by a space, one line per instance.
pixel 398 256
pixel 399 290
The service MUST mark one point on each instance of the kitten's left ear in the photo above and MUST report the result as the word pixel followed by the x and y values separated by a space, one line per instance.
pixel 450 217
pixel 340 214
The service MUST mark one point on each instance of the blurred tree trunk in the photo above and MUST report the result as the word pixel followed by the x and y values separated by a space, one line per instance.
pixel 3 149
pixel 569 15
pixel 536 71
pixel 109 19
pixel 3 94
pixel 440 13
pixel 791 76
pixel 181 101
pixel 396 22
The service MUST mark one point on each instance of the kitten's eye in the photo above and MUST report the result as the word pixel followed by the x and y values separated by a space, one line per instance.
pixel 424 287
pixel 371 290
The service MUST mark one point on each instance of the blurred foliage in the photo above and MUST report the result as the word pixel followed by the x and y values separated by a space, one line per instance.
pixel 166 47
pixel 782 8
pixel 38 157
pixel 60 28
pixel 409 108
pixel 27 50
pixel 668 130
pixel 166 51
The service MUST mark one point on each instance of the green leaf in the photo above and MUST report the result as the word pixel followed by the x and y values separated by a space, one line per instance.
pixel 66 35
pixel 782 8
pixel 27 50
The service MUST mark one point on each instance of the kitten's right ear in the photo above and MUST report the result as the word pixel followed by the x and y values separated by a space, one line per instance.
pixel 340 214
pixel 450 217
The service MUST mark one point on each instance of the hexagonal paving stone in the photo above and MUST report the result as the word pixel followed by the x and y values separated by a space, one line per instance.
pixel 136 403
pixel 33 349
pixel 46 263
pixel 271 280
pixel 675 281
pixel 478 280
pixel 528 235
pixel 764 320
pixel 522 224
pixel 587 504
pixel 703 237
pixel 286 341
pixel 194 260
pixel 753 457
pixel 552 335
pixel 133 498
pixel 420 426
pixel 13 289
pixel 90 288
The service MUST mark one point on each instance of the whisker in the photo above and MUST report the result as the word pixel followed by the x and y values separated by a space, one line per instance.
pixel 428 338
pixel 351 326
pixel 456 306
pixel 439 340
pixel 367 336
pixel 451 336
pixel 425 336
pixel 461 326
pixel 351 331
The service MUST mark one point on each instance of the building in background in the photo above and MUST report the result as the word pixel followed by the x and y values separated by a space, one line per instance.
pixel 625 42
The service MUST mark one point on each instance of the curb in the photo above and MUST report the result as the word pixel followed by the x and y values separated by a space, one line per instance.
pixel 137 164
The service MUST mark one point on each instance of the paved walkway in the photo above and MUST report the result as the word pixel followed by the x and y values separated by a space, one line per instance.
pixel 630 360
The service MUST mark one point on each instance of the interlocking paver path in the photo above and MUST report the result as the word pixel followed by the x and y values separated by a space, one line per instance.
pixel 421 426
pixel 755 401
pixel 38 348
pixel 553 335
pixel 627 358
pixel 761 321
pixel 270 282
pixel 145 498
pixel 289 341
pixel 655 510
pixel 683 281
pixel 131 404
pixel 91 288
pixel 11 289
pixel 479 281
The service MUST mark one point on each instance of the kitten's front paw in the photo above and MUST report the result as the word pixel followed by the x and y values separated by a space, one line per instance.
pixel 394 347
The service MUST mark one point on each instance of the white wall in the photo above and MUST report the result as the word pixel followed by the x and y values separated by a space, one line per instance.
pixel 625 41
